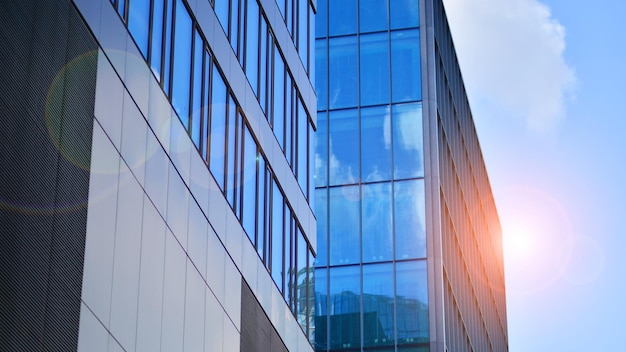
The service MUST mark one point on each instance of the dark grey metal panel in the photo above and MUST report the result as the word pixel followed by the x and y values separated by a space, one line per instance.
pixel 46 104
pixel 257 332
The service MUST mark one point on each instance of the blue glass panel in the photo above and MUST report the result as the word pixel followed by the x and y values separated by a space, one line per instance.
pixel 378 302
pixel 221 10
pixel 252 45
pixel 290 259
pixel 196 108
pixel 373 15
pixel 167 64
pixel 375 144
pixel 374 69
pixel 411 302
pixel 344 302
pixel 157 38
pixel 279 98
pixel 409 219
pixel 303 34
pixel 205 104
pixel 311 296
pixel 249 184
pixel 404 13
pixel 321 309
pixel 321 213
pixel 234 25
pixel 290 123
pixel 182 63
pixel 231 141
pixel 377 239
pixel 343 155
pixel 139 23
pixel 264 59
pixel 310 165
pixel 218 127
pixel 342 83
pixel 121 8
pixel 405 66
pixel 321 150
pixel 261 208
pixel 301 278
pixel 303 124
pixel 345 224
pixel 320 19
pixel 277 236
pixel 321 72
pixel 408 144
pixel 341 17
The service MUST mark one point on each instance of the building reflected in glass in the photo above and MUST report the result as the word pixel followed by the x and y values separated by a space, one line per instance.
pixel 409 255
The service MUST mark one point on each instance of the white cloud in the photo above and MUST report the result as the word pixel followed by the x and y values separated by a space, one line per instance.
pixel 511 56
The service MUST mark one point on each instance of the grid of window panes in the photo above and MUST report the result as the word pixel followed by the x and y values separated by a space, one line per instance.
pixel 371 282
pixel 173 46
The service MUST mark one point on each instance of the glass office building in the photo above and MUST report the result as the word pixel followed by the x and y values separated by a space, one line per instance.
pixel 157 187
pixel 409 243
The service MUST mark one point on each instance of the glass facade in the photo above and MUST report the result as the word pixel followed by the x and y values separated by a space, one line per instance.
pixel 371 289
pixel 172 43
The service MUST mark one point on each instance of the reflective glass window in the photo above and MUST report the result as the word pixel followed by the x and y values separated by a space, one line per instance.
pixel 321 213
pixel 378 303
pixel 205 105
pixel 221 10
pixel 303 34
pixel 311 295
pixel 411 302
pixel 252 44
pixel 167 64
pixel 290 123
pixel 234 25
pixel 310 165
pixel 376 227
pixel 121 8
pixel 408 144
pixel 344 220
pixel 279 98
pixel 321 308
pixel 249 184
pixel 301 278
pixel 345 307
pixel 342 70
pixel 139 23
pixel 409 218
pixel 182 63
pixel 263 60
pixel 321 151
pixel 373 15
pixel 290 260
pixel 196 107
pixel 303 126
pixel 262 210
pixel 231 142
pixel 404 13
pixel 375 144
pixel 341 17
pixel 405 66
pixel 321 73
pixel 218 127
pixel 343 157
pixel 320 19
pixel 156 41
pixel 277 236
pixel 374 68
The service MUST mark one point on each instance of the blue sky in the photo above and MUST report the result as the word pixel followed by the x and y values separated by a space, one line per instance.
pixel 546 86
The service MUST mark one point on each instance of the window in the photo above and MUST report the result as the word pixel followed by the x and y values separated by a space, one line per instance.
pixel 408 145
pixel 182 63
pixel 343 156
pixel 405 66
pixel 376 144
pixel 410 219
pixel 377 241
pixel 344 221
pixel 218 127
pixel 138 23
pixel 374 69
pixel 342 81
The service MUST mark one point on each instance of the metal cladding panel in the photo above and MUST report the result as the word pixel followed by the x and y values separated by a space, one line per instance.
pixel 46 101
pixel 257 332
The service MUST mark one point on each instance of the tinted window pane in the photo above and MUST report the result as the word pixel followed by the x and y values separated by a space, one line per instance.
pixel 263 62
pixel 303 34
pixel 262 210
pixel 197 89
pixel 342 84
pixel 321 150
pixel 277 237
pixel 205 104
pixel 320 19
pixel 252 44
pixel 411 302
pixel 376 222
pixel 405 65
pixel 231 142
pixel 168 47
pixel 321 72
pixel 157 38
pixel 408 142
pixel 303 124
pixel 375 144
pixel 373 15
pixel 344 307
pixel 321 213
pixel 341 17
pixel 221 10
pixel 138 23
pixel 344 225
pixel 279 98
pixel 409 218
pixel 182 63
pixel 218 127
pixel 378 302
pixel 343 157
pixel 374 69
pixel 234 25
pixel 301 279
pixel 404 13
pixel 321 308
pixel 249 184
